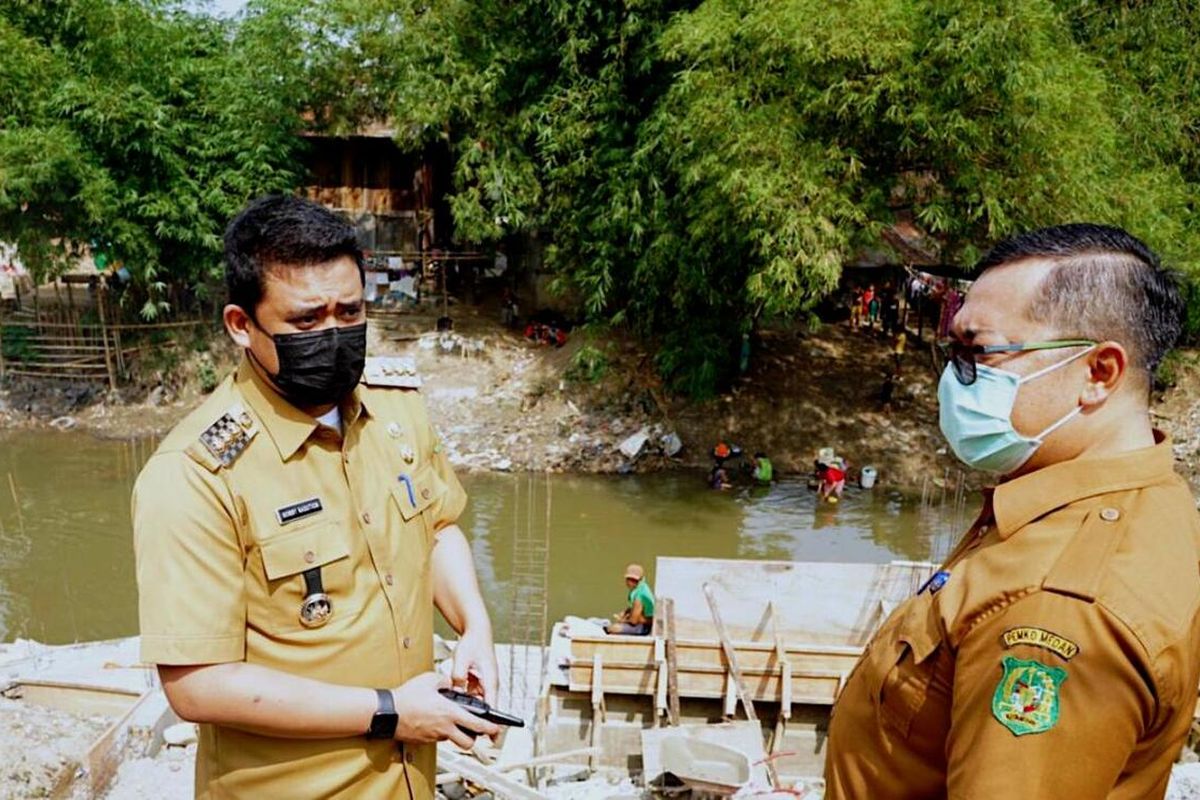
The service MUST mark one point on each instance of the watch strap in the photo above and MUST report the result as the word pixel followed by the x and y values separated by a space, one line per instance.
pixel 383 724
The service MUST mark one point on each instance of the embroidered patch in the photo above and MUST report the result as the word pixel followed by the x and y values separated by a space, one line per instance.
pixel 1039 637
pixel 305 508
pixel 1026 699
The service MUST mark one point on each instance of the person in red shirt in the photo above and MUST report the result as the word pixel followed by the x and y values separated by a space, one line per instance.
pixel 833 480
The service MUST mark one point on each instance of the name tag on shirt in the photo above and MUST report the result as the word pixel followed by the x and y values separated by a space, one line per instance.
pixel 305 508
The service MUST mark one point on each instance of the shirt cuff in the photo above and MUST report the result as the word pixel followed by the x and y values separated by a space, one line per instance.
pixel 184 650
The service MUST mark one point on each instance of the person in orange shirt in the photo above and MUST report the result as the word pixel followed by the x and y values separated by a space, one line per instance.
pixel 1056 653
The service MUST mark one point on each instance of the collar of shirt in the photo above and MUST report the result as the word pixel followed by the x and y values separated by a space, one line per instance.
pixel 1018 502
pixel 288 426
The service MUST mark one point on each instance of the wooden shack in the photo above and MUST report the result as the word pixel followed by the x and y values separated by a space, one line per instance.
pixel 397 198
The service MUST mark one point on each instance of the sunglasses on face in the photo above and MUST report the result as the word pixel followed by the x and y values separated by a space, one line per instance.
pixel 962 356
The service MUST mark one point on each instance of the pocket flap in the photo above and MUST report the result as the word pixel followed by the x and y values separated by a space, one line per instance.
pixel 422 489
pixel 298 551
pixel 920 629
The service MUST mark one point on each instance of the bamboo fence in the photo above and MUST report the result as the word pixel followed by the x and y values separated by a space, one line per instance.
pixel 56 343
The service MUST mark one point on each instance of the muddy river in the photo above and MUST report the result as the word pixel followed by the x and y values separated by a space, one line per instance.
pixel 66 559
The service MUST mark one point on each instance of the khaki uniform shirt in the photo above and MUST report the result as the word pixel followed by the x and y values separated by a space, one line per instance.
pixel 244 496
pixel 1059 659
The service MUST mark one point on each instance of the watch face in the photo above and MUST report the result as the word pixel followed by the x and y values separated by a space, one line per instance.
pixel 383 725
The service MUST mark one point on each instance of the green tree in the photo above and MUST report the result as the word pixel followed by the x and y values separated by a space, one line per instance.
pixel 701 166
pixel 139 128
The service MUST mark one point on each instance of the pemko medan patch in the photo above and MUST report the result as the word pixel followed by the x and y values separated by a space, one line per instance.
pixel 1040 637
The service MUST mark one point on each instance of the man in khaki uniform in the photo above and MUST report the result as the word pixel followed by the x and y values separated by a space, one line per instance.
pixel 1056 653
pixel 293 535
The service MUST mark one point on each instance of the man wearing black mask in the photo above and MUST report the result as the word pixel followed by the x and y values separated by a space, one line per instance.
pixel 294 533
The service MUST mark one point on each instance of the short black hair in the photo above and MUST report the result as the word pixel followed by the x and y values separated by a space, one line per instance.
pixel 277 231
pixel 1106 284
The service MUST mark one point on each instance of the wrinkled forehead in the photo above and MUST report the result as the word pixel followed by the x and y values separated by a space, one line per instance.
pixel 998 304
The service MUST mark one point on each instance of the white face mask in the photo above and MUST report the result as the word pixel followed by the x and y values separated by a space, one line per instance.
pixel 977 419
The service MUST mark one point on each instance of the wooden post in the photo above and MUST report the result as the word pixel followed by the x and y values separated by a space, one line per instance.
pixel 108 362
pixel 598 710
pixel 668 612
pixel 785 694
pixel 76 334
pixel 730 655
pixel 660 681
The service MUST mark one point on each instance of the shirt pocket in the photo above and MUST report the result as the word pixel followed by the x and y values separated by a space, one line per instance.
pixel 907 675
pixel 419 497
pixel 285 560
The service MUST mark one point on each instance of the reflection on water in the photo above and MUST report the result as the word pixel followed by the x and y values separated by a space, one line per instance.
pixel 66 559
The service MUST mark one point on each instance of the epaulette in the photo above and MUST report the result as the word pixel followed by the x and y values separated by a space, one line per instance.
pixel 391 371
pixel 227 437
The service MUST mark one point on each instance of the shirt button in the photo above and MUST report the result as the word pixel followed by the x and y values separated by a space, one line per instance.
pixel 366 517
pixel 408 756
pixel 388 579
pixel 1110 514
pixel 309 556
pixel 407 642
pixel 425 494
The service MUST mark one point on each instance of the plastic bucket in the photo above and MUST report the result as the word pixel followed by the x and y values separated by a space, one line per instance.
pixel 868 477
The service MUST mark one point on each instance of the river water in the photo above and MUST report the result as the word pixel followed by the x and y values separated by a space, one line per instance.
pixel 66 558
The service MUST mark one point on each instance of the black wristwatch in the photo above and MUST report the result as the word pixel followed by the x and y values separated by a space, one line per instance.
pixel 383 724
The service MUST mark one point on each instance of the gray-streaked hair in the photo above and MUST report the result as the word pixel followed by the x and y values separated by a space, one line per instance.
pixel 1106 284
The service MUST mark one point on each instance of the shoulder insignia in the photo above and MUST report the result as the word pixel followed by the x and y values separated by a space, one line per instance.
pixel 226 438
pixel 1040 637
pixel 395 372
pixel 1027 697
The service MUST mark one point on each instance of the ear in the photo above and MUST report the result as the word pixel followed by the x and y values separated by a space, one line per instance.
pixel 1107 368
pixel 237 325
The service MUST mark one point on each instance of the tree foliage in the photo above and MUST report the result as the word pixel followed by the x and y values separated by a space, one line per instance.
pixel 700 165
pixel 138 128
pixel 695 166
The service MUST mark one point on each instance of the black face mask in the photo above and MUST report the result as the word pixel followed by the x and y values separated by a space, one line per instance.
pixel 319 368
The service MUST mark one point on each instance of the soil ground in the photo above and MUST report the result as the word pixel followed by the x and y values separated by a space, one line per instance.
pixel 503 403
pixel 40 745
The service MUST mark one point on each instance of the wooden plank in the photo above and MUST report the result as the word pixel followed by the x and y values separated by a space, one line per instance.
pixel 730 654
pixel 841 598
pixel 668 606
pixel 660 691
pixel 708 653
pixel 74 698
pixel 104 757
pixel 495 782
pixel 108 361
pixel 763 687
pixel 549 758
pixel 598 715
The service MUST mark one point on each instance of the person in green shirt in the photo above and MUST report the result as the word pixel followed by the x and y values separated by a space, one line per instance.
pixel 638 617
pixel 764 471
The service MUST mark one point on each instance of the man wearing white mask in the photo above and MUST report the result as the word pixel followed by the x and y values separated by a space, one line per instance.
pixel 1056 653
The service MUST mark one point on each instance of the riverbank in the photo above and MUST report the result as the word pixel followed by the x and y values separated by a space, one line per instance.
pixel 505 404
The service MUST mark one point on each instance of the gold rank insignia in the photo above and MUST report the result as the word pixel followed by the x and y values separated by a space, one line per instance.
pixel 228 436
pixel 391 371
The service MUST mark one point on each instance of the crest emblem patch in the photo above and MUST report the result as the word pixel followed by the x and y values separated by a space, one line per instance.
pixel 1027 697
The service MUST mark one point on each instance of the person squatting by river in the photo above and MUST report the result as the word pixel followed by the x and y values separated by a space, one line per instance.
pixel 293 535
pixel 638 617
pixel 1056 653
